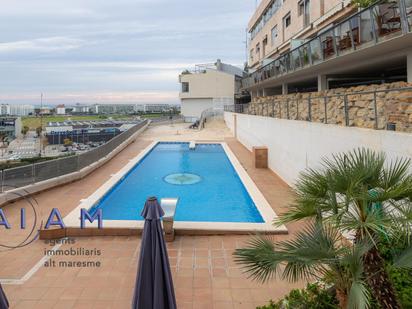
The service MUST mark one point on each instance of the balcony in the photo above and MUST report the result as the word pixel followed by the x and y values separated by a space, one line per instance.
pixel 369 27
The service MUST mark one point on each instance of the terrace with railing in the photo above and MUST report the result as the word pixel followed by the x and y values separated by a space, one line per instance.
pixel 369 27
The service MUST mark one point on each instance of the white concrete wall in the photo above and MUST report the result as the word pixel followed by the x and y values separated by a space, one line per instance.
pixel 295 145
pixel 193 108
pixel 210 84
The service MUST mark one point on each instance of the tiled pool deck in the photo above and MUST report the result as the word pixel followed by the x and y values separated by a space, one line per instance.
pixel 205 275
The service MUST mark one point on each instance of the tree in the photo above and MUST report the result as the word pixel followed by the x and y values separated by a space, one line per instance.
pixel 317 252
pixel 359 194
pixel 363 3
pixel 39 130
pixel 25 130
pixel 67 142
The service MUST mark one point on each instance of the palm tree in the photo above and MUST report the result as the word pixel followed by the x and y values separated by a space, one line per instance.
pixel 317 252
pixel 358 194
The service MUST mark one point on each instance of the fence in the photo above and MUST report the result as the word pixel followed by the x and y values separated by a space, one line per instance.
pixel 25 175
pixel 389 109
pixel 209 114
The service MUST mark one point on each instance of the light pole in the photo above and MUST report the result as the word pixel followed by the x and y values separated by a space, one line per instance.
pixel 41 124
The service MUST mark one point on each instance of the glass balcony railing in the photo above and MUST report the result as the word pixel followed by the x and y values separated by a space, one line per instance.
pixel 382 21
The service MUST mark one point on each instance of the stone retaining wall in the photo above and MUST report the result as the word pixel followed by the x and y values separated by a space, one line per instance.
pixel 393 106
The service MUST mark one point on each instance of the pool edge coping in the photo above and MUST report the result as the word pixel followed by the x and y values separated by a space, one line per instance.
pixel 72 220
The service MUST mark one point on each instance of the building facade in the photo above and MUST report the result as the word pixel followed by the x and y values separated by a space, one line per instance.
pixel 61 109
pixel 16 110
pixel 10 127
pixel 315 45
pixel 208 86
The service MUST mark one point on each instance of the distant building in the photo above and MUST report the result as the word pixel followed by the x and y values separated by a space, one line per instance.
pixel 208 86
pixel 127 109
pixel 16 110
pixel 61 109
pixel 157 108
pixel 5 109
pixel 45 110
pixel 86 131
pixel 80 109
pixel 107 109
pixel 10 127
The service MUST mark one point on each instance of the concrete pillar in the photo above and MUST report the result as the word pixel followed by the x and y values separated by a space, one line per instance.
pixel 264 92
pixel 235 125
pixel 285 89
pixel 409 66
pixel 322 83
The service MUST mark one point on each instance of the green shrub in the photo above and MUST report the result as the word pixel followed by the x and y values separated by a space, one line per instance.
pixel 401 278
pixel 314 296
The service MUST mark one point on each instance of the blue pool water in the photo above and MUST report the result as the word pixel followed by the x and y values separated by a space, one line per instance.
pixel 203 179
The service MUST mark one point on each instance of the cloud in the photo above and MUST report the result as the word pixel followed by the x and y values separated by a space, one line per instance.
pixel 50 44
pixel 121 47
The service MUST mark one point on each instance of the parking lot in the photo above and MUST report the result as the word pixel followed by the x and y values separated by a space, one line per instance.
pixel 74 148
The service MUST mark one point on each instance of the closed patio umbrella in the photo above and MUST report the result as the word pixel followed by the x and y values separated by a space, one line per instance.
pixel 4 304
pixel 154 284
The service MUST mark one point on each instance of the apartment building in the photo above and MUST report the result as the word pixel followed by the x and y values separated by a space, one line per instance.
pixel 16 110
pixel 60 109
pixel 10 127
pixel 314 45
pixel 208 86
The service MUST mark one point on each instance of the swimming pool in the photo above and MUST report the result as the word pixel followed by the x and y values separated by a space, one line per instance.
pixel 215 192
pixel 203 179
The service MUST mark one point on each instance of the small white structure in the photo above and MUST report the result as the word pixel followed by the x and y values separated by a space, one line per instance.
pixel 61 109
pixel 209 86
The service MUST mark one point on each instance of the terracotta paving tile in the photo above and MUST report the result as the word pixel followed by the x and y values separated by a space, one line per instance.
pixel 202 294
pixel 222 294
pixel 53 293
pixel 184 282
pixel 26 304
pixel 219 272
pixel 202 262
pixel 245 305
pixel 201 272
pixel 222 305
pixel 203 304
pixel 220 282
pixel 64 304
pixel 184 294
pixel 185 305
pixel 241 295
pixel 202 282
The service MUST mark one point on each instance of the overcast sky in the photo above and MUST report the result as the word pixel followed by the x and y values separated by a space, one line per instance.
pixel 113 50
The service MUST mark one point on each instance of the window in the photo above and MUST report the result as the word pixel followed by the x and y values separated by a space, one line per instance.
pixel 274 34
pixel 304 9
pixel 185 87
pixel 287 20
pixel 258 50
pixel 301 7
pixel 251 55
pixel 264 44
pixel 265 17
